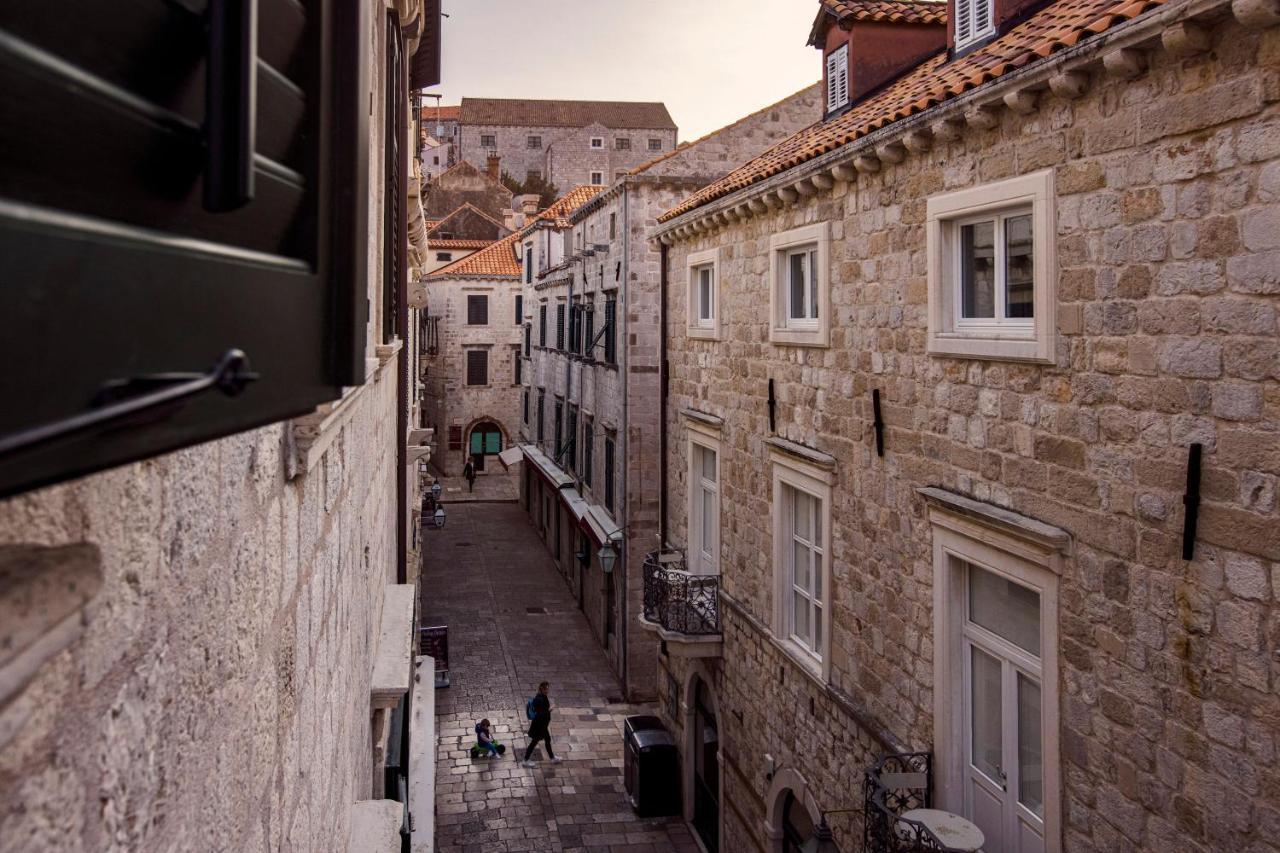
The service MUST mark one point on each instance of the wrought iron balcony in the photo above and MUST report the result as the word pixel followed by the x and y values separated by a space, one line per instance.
pixel 895 785
pixel 683 608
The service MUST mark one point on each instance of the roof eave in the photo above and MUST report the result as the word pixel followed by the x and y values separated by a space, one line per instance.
pixel 1031 76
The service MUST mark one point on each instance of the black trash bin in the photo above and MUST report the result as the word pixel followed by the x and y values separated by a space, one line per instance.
pixel 651 767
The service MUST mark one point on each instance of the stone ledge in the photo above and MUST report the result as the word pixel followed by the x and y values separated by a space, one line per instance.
pixel 703 418
pixel 375 827
pixel 1038 533
pixel 394 660
pixel 801 452
pixel 313 434
pixel 422 758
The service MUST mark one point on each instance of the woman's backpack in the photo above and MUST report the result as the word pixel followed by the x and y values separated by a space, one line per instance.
pixel 529 710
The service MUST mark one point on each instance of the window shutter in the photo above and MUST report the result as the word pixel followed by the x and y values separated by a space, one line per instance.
pixel 542 325
pixel 477 367
pixel 832 102
pixel 560 327
pixel 964 21
pixel 179 245
pixel 842 76
pixel 477 310
pixel 519 309
pixel 455 437
pixel 610 335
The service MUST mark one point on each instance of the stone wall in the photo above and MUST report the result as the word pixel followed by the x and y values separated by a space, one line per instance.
pixel 1168 245
pixel 449 401
pixel 219 698
pixel 565 157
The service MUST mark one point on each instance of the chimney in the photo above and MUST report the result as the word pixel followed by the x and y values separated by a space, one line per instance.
pixel 527 204
pixel 864 55
pixel 494 171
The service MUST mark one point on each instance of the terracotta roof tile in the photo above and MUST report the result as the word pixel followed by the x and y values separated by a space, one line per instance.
pixel 498 260
pixel 519 112
pixel 558 211
pixel 933 81
pixel 433 243
pixel 888 11
pixel 445 113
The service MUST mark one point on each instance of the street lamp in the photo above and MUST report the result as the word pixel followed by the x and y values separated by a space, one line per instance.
pixel 607 556
pixel 435 491
pixel 439 517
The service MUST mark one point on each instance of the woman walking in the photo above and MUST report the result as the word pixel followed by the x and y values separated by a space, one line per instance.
pixel 539 709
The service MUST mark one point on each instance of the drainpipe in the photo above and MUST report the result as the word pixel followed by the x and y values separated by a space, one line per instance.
pixel 626 442
pixel 402 328
pixel 662 397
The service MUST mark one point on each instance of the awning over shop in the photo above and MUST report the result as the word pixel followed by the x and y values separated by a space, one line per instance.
pixel 549 470
pixel 600 526
pixel 510 457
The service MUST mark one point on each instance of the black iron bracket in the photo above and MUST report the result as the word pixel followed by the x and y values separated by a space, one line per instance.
pixel 878 423
pixel 1192 501
pixel 121 399
pixel 773 409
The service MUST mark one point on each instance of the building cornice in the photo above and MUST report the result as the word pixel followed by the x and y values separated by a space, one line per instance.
pixel 1179 28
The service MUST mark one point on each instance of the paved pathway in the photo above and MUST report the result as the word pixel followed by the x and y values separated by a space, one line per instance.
pixel 513 623
pixel 494 485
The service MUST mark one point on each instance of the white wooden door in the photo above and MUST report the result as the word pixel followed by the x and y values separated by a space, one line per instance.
pixel 1003 714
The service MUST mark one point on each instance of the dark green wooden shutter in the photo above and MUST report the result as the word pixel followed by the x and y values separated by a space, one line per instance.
pixel 130 248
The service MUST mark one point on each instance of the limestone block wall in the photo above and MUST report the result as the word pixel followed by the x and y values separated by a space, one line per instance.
pixel 565 157
pixel 1168 246
pixel 450 401
pixel 219 698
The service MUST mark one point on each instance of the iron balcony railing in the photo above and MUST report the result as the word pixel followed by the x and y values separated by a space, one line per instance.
pixel 895 785
pixel 677 600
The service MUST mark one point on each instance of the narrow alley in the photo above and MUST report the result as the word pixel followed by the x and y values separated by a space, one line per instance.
pixel 512 623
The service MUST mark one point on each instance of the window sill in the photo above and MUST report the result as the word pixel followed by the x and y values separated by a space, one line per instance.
pixel 702 333
pixel 310 436
pixel 820 337
pixel 960 345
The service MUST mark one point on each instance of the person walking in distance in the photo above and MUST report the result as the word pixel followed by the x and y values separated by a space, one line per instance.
pixel 469 471
pixel 538 709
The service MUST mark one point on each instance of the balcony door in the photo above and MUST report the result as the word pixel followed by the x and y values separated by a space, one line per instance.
pixel 1003 733
pixel 704 509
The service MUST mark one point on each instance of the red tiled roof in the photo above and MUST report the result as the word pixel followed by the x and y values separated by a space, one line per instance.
pixel 559 209
pixel 1060 25
pixel 519 112
pixel 497 260
pixel 445 114
pixel 888 11
pixel 433 243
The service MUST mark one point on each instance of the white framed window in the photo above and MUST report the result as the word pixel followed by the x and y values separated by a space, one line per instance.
pixel 704 294
pixel 974 21
pixel 597 178
pixel 800 287
pixel 837 78
pixel 703 557
pixel 996 671
pixel 597 142
pixel 801 556
pixel 992 277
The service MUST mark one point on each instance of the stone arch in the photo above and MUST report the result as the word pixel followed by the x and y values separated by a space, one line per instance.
pixel 787 780
pixel 484 420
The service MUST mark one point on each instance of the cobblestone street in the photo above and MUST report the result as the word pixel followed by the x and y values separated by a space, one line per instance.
pixel 512 623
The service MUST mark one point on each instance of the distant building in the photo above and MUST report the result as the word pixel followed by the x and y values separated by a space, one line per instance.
pixel 569 143
pixel 590 408
pixel 466 184
pixel 465 230
pixel 440 139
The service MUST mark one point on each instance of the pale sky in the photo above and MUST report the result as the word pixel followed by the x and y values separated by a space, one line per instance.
pixel 710 61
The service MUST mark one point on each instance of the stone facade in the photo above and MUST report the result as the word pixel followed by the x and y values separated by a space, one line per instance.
pixel 465 183
pixel 451 405
pixel 1167 199
pixel 218 690
pixel 604 253
pixel 565 155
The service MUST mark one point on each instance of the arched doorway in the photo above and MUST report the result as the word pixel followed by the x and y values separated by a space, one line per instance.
pixel 486 440
pixel 706 767
pixel 797 825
